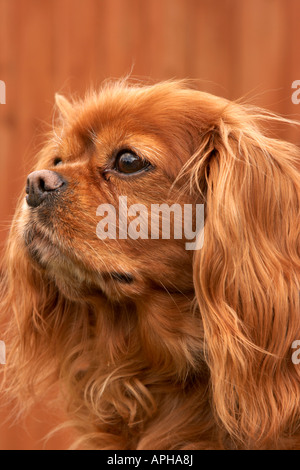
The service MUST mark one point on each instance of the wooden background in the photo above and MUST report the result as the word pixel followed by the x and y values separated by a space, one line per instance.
pixel 233 47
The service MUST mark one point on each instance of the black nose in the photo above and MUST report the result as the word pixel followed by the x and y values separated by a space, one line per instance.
pixel 40 184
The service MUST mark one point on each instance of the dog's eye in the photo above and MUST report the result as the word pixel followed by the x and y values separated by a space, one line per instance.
pixel 129 162
pixel 57 161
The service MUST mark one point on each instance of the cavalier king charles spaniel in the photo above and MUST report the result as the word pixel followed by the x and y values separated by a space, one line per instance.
pixel 153 345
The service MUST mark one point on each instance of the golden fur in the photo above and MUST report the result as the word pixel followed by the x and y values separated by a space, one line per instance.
pixel 195 353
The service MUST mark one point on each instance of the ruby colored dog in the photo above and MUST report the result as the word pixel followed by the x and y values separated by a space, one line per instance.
pixel 155 346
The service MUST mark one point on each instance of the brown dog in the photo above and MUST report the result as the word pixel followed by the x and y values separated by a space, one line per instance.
pixel 157 346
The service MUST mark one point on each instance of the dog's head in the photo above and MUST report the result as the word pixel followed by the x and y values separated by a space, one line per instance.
pixel 90 217
pixel 91 234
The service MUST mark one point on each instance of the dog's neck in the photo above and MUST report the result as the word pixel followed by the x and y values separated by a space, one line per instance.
pixel 162 330
pixel 149 356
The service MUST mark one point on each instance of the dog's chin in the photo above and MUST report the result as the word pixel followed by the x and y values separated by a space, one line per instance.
pixel 39 247
pixel 73 288
pixel 71 275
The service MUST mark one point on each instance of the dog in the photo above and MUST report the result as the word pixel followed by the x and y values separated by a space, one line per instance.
pixel 153 345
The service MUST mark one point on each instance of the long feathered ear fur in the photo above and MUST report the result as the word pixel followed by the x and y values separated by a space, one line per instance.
pixel 247 276
pixel 38 328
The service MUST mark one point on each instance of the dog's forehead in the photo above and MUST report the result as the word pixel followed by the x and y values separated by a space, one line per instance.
pixel 124 107
pixel 122 114
pixel 106 122
pixel 159 109
pixel 163 114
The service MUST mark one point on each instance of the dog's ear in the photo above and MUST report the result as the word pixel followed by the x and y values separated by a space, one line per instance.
pixel 36 319
pixel 64 106
pixel 246 276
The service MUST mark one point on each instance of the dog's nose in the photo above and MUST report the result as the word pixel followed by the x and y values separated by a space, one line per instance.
pixel 40 184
